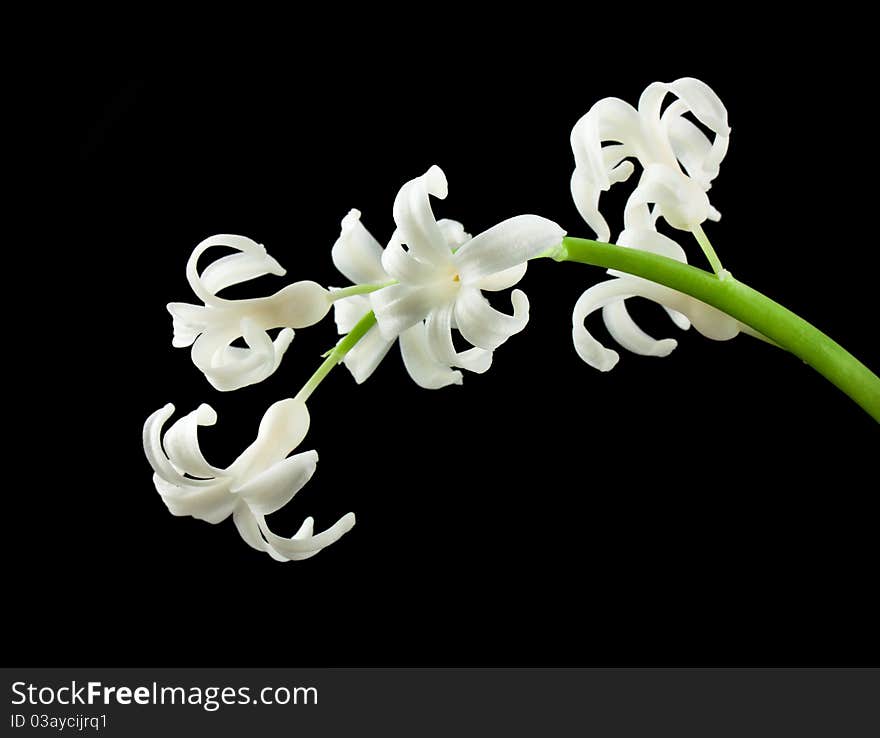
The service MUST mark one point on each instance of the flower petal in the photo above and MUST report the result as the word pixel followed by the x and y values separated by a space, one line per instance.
pixel 304 544
pixel 212 503
pixel 453 232
pixel 678 198
pixel 155 453
pixel 702 101
pixel 187 321
pixel 249 530
pixel 415 219
pixel 438 329
pixel 507 244
pixel 484 326
pixel 585 194
pixel 274 488
pixel 181 443
pixel 424 369
pixel 624 330
pixel 349 310
pixel 401 306
pixel 356 253
pixel 598 167
pixel 228 367
pixel 403 265
pixel 503 279
pixel 363 359
pixel 587 347
pixel 253 261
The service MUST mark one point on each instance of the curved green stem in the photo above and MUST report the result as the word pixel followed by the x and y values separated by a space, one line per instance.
pixel 336 355
pixel 748 306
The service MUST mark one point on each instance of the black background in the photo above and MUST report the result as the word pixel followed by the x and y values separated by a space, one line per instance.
pixel 714 507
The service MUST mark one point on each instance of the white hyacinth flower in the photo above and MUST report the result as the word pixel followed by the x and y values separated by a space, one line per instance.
pixel 260 481
pixel 678 160
pixel 359 257
pixel 212 328
pixel 611 297
pixel 679 163
pixel 439 278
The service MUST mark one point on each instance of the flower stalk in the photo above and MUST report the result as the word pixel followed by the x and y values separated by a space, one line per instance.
pixel 336 355
pixel 708 250
pixel 747 305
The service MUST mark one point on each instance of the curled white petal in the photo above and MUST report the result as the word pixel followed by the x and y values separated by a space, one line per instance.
pixel 421 364
pixel 356 253
pixel 438 330
pixel 204 498
pixel 402 265
pixel 703 103
pixel 484 326
pixel 627 333
pixel 598 167
pixel 155 453
pixel 585 194
pixel 181 443
pixel 679 199
pixel 415 218
pixel 249 530
pixel 229 367
pixel 251 262
pixel 305 543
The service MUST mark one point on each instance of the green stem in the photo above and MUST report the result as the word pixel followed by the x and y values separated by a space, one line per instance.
pixel 358 289
pixel 706 245
pixel 748 306
pixel 336 355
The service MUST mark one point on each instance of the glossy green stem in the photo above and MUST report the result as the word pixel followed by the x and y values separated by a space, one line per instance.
pixel 336 355
pixel 748 306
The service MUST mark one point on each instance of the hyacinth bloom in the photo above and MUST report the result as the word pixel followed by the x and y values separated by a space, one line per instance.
pixel 359 257
pixel 679 163
pixel 212 328
pixel 259 482
pixel 678 160
pixel 611 297
pixel 439 273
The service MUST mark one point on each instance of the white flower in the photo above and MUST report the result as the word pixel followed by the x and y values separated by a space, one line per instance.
pixel 679 161
pixel 612 294
pixel 440 275
pixel 212 329
pixel 260 481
